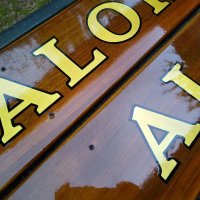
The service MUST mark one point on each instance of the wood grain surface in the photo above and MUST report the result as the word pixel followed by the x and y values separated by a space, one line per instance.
pixel 69 27
pixel 107 157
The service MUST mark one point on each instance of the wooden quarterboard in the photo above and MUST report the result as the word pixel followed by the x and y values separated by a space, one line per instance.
pixel 99 100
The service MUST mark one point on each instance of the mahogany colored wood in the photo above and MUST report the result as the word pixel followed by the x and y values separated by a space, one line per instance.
pixel 69 27
pixel 107 157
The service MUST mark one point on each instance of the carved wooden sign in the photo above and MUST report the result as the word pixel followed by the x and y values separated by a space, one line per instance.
pixel 62 79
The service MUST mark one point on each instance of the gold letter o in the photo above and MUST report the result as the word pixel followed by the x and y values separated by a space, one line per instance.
pixel 102 33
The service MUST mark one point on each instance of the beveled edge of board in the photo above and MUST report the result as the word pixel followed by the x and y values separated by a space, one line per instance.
pixel 31 21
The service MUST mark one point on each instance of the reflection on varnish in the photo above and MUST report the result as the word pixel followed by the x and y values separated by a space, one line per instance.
pixel 123 191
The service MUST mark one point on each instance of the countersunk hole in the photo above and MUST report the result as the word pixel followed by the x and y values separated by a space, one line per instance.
pixel 3 69
pixel 51 115
pixel 91 147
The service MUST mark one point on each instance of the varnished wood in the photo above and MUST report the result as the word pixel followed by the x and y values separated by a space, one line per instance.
pixel 120 164
pixel 69 27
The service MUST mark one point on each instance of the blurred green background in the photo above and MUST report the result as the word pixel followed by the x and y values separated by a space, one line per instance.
pixel 12 11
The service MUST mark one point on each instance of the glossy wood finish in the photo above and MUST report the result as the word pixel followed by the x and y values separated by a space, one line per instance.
pixel 69 27
pixel 120 165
